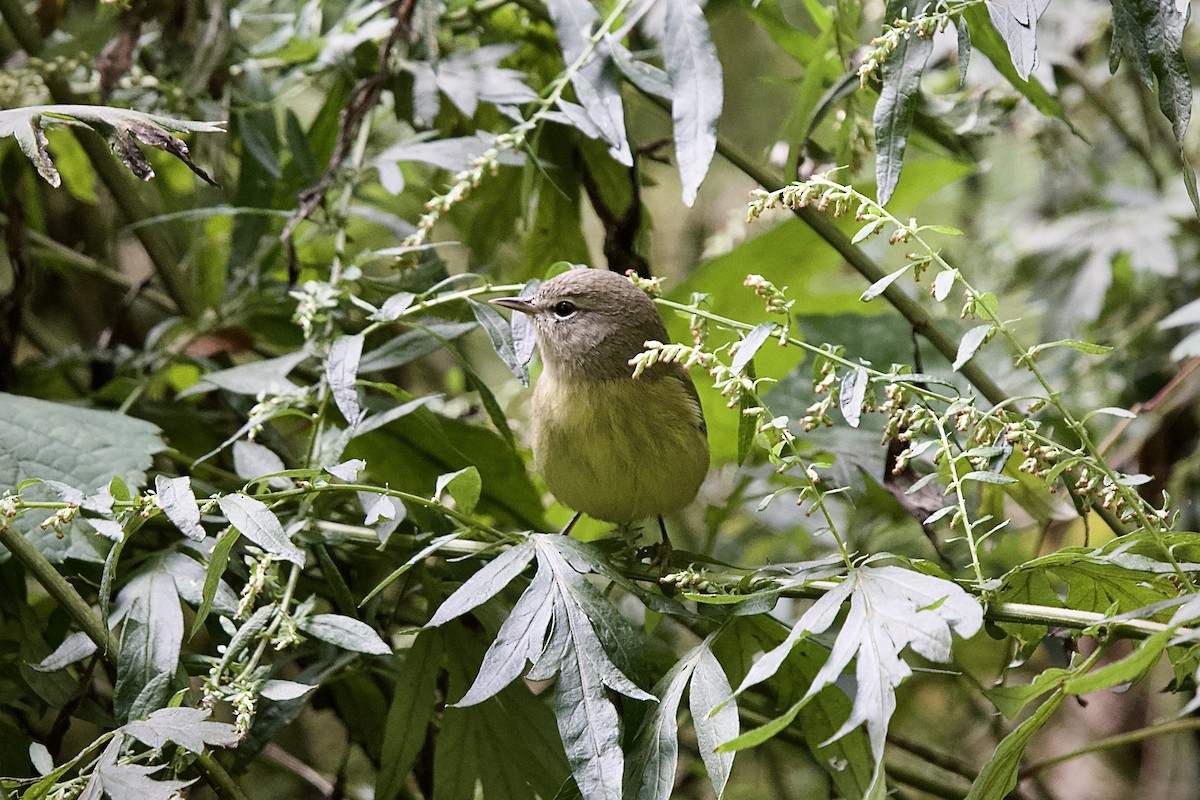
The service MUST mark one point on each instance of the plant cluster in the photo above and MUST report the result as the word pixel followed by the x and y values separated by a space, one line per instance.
pixel 270 520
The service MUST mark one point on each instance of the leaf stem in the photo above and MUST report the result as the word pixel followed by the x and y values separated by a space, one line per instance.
pixel 963 513
pixel 58 588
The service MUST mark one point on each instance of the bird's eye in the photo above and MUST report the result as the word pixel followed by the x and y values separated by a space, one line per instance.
pixel 564 309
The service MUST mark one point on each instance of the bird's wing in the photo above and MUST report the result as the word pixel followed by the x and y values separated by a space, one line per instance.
pixel 680 374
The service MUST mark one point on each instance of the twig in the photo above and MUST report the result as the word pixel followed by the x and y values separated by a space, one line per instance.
pixel 363 100
pixel 1113 742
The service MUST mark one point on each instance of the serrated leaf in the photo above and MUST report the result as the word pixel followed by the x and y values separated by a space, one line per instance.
pixel 258 524
pixel 179 504
pixel 347 633
pixel 898 98
pixel 46 440
pixel 190 728
pixel 851 395
pixel 750 345
pixel 341 372
pixel 880 286
pixel 500 333
pixel 484 584
pixel 133 782
pixel 691 62
pixel 1149 33
pixel 971 342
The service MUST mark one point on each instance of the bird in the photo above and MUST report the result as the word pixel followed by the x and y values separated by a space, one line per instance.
pixel 617 448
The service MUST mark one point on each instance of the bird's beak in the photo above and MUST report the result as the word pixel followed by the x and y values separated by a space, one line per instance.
pixel 521 304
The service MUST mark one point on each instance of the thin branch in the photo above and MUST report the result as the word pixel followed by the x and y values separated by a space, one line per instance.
pixel 58 588
pixel 1114 742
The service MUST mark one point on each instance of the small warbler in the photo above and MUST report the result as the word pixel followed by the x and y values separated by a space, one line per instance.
pixel 616 448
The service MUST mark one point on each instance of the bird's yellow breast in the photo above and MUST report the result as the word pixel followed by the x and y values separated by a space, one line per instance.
pixel 619 450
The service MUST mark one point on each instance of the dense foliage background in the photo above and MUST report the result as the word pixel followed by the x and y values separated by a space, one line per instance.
pixel 269 522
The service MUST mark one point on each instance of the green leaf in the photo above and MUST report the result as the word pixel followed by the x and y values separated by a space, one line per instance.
pixel 880 286
pixel 190 728
pixel 999 774
pixel 212 577
pixel 1011 699
pixel 463 486
pixel 477 745
pixel 971 342
pixel 408 716
pixel 484 584
pixel 1074 344
pixel 150 644
pixel 1016 22
pixel 650 770
pixel 347 633
pixel 1149 33
pixel 994 478
pixel 501 336
pixel 596 83
pixel 851 395
pixel 341 372
pixel 750 345
pixel 46 440
pixel 898 99
pixel 1126 670
pixel 710 690
pixel 697 92
pixel 179 504
pixel 986 39
pixel 890 608
pixel 258 524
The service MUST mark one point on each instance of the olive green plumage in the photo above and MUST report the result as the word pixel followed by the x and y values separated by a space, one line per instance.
pixel 616 448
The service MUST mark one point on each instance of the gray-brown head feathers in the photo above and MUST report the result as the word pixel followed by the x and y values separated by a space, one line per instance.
pixel 589 323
